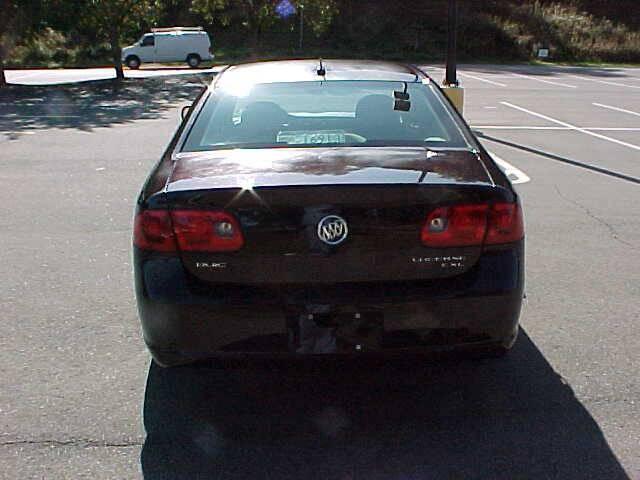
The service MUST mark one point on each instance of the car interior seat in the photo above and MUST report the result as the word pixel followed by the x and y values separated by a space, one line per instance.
pixel 376 118
pixel 261 122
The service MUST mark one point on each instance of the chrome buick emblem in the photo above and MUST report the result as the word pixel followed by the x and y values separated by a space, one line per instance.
pixel 332 229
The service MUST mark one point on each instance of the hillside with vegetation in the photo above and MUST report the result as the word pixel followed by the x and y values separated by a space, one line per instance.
pixel 90 32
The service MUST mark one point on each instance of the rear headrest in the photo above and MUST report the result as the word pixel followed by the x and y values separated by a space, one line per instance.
pixel 266 113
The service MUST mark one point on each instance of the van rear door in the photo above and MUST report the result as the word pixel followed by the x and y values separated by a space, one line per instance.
pixel 204 46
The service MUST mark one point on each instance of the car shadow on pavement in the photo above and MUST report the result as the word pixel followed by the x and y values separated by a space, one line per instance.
pixel 504 418
pixel 558 158
pixel 88 105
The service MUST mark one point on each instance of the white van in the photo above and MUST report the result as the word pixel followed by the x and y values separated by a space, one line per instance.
pixel 176 44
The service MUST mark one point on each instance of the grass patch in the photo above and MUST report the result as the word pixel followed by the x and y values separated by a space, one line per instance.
pixel 571 35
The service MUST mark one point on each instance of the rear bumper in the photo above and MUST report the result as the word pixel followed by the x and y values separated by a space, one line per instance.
pixel 184 320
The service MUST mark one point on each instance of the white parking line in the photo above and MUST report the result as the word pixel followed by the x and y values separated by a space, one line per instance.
pixel 475 77
pixel 534 127
pixel 605 82
pixel 617 109
pixel 551 82
pixel 517 127
pixel 514 174
pixel 613 129
pixel 571 127
pixel 480 79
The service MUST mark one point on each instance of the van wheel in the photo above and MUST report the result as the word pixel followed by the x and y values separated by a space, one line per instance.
pixel 132 62
pixel 193 60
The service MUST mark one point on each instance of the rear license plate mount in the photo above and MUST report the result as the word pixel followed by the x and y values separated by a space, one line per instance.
pixel 344 332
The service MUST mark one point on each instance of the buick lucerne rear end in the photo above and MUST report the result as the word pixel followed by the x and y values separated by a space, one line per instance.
pixel 342 208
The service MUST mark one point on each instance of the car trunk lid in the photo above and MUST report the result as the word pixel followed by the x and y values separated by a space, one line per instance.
pixel 281 196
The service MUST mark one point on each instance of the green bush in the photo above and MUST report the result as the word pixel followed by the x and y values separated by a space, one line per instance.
pixel 51 48
pixel 489 30
pixel 46 48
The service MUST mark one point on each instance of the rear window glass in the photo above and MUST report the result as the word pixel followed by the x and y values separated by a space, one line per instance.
pixel 329 113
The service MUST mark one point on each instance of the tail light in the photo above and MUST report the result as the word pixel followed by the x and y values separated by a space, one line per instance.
pixel 187 230
pixel 455 226
pixel 469 225
pixel 152 231
pixel 207 231
pixel 506 224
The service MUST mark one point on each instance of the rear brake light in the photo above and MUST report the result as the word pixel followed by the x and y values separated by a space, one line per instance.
pixel 455 226
pixel 506 224
pixel 206 231
pixel 152 231
pixel 471 225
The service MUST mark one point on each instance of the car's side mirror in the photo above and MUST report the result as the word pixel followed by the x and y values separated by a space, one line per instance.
pixel 184 111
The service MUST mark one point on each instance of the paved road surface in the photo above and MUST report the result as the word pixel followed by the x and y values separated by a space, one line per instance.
pixel 75 375
pixel 71 75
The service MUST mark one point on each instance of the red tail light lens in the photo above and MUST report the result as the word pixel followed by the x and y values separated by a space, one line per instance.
pixel 506 224
pixel 469 225
pixel 152 231
pixel 206 231
pixel 190 230
pixel 455 226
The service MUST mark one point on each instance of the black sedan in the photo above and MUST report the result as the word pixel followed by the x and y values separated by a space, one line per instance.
pixel 337 207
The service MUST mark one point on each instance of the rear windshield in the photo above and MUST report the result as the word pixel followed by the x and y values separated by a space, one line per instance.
pixel 324 113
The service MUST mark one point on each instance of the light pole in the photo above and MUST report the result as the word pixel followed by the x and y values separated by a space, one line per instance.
pixel 301 8
pixel 450 86
pixel 451 76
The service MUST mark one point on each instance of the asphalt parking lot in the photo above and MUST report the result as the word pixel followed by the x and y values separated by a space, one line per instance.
pixel 77 392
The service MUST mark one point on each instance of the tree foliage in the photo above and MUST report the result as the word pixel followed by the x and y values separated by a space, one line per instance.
pixel 114 20
pixel 319 14
pixel 252 15
pixel 256 16
pixel 94 30
pixel 18 20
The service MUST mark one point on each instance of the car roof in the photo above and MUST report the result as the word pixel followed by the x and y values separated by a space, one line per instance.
pixel 307 70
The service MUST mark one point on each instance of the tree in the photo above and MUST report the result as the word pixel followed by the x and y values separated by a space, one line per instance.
pixel 258 15
pixel 174 13
pixel 113 20
pixel 16 17
pixel 254 15
pixel 318 14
